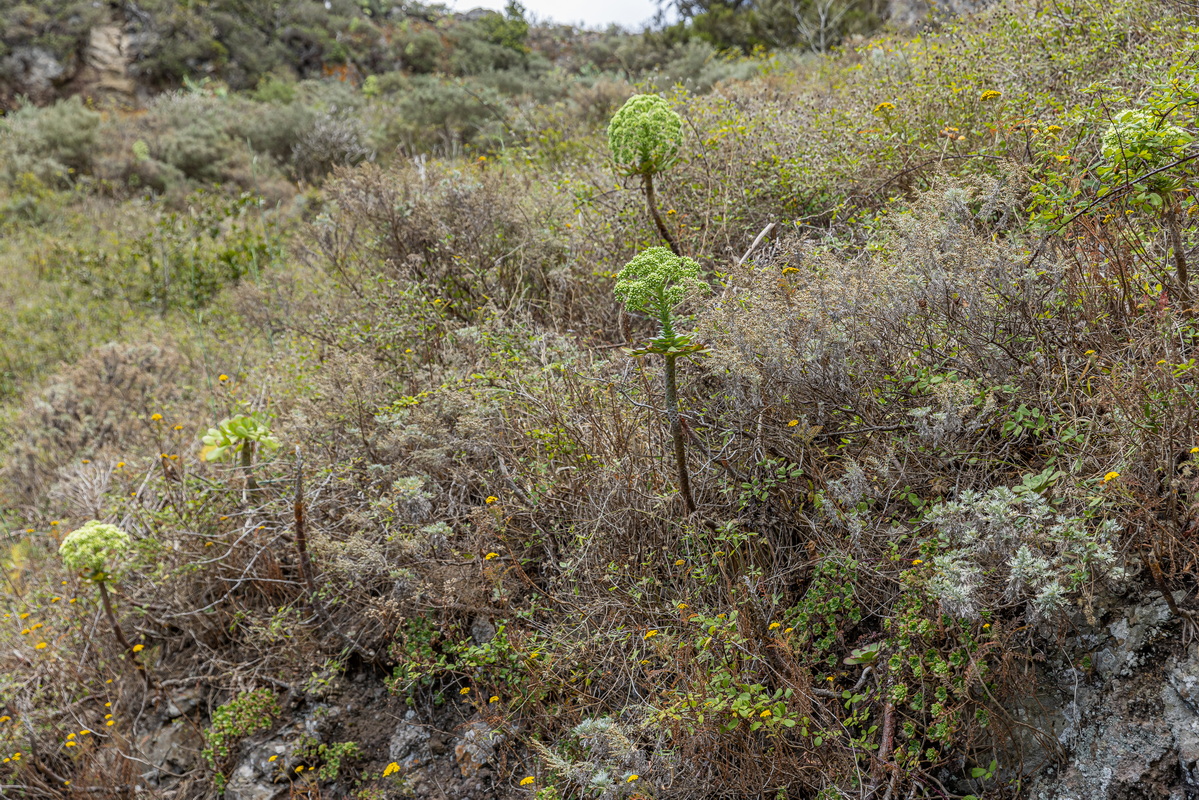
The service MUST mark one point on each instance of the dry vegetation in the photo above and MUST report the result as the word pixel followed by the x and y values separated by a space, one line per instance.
pixel 947 401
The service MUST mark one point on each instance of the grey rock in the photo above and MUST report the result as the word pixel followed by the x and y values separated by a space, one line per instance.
pixel 172 749
pixel 406 746
pixel 482 629
pixel 247 784
pixel 476 747
pixel 32 71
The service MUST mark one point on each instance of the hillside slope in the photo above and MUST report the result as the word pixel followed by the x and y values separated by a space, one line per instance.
pixel 420 485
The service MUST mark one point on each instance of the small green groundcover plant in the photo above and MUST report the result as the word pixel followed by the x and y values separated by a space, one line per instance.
pixel 244 715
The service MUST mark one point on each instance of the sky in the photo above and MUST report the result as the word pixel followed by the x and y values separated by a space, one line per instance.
pixel 632 14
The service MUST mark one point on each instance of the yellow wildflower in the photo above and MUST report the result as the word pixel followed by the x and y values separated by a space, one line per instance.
pixel 490 556
pixel 990 94
pixel 272 758
pixel 651 634
pixel 391 769
pixel 766 713
pixel 222 377
pixel 917 562
pixel 631 778
pixel 156 417
pixel 495 698
pixel 491 499
pixel 40 646
pixel 464 690
pixel 881 107
pixel 774 625
pixel 1111 476
pixel 527 781
pixel 792 423
pixel 137 648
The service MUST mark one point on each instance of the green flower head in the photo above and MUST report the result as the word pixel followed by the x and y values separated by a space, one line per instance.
pixel 1141 141
pixel 656 280
pixel 95 550
pixel 645 135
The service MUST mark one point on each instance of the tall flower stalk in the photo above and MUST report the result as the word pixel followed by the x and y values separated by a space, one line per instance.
pixel 655 282
pixel 645 136
pixel 96 550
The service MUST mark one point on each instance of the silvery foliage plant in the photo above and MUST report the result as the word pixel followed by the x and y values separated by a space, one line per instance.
pixel 1004 546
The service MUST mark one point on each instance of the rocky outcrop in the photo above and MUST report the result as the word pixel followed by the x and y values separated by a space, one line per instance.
pixel 32 72
pixel 104 76
pixel 100 72
pixel 1119 718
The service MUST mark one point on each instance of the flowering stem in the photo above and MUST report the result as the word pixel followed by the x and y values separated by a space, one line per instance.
pixel 1180 258
pixel 676 433
pixel 247 463
pixel 648 183
pixel 301 528
pixel 120 634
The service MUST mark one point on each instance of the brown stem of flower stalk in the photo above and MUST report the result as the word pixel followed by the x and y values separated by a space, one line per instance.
pixel 676 433
pixel 652 202
pixel 301 530
pixel 1180 257
pixel 247 464
pixel 120 634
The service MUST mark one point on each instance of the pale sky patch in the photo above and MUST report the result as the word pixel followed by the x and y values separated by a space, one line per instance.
pixel 630 14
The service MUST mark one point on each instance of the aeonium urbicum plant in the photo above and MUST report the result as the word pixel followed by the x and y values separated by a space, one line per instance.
pixel 241 434
pixel 645 136
pixel 655 282
pixel 98 552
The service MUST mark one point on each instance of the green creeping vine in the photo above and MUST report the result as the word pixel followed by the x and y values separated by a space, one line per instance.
pixel 655 282
pixel 95 551
pixel 645 136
